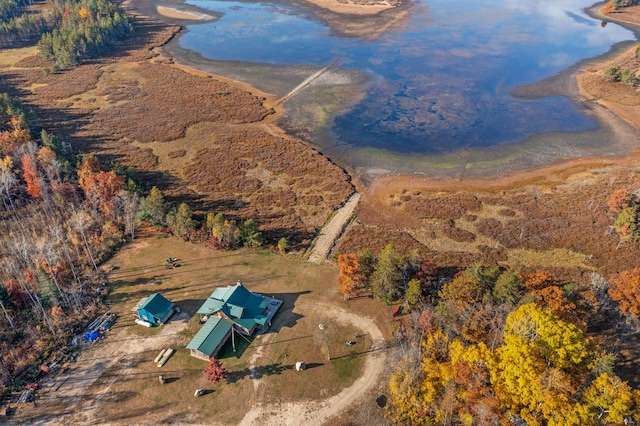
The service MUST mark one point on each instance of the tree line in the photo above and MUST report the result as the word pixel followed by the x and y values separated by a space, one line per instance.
pixel 490 345
pixel 83 29
pixel 74 31
pixel 16 24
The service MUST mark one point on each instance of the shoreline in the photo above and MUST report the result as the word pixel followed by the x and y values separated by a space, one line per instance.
pixel 413 180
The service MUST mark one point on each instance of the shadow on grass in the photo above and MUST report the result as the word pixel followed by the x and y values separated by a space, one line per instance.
pixel 257 373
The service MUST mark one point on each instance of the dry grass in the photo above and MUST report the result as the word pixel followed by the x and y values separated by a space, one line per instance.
pixel 559 222
pixel 131 393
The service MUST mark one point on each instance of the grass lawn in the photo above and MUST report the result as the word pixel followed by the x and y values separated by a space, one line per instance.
pixel 139 270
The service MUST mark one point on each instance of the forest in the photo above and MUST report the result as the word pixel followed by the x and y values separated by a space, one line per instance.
pixel 489 345
pixel 68 31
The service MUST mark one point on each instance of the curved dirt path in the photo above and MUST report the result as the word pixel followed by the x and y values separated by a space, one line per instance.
pixel 316 413
pixel 330 233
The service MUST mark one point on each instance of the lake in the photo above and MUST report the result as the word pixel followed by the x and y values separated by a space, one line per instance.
pixel 431 94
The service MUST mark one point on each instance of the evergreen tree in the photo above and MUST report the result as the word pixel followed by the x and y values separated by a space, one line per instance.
pixel 386 277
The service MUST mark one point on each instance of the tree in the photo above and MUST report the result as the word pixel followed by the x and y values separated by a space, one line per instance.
pixel 608 400
pixel 349 274
pixel 625 289
pixel 153 208
pixel 507 287
pixel 182 222
pixel 537 280
pixel 31 176
pixel 626 223
pixel 413 293
pixel 283 245
pixel 128 206
pixel 249 233
pixel 214 371
pixel 386 277
pixel 8 179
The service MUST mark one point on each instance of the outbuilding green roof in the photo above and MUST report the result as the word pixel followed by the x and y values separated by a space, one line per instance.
pixel 157 305
pixel 211 335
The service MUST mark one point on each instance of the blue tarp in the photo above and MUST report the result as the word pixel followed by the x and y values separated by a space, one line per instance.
pixel 92 337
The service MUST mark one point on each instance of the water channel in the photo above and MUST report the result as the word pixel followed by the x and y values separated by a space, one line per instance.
pixel 432 91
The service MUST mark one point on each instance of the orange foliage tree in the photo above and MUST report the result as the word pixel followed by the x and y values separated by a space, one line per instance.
pixel 349 278
pixel 536 280
pixel 30 174
pixel 625 289
pixel 100 187
pixel 618 201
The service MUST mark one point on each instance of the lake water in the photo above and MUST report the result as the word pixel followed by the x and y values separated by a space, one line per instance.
pixel 438 83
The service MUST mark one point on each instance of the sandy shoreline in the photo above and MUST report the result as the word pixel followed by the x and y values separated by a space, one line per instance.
pixel 172 12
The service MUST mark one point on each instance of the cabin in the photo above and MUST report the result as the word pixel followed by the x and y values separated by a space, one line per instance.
pixel 227 310
pixel 155 309
pixel 248 311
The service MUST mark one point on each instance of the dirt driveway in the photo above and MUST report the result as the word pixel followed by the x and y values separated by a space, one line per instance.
pixel 316 413
pixel 333 230
pixel 119 350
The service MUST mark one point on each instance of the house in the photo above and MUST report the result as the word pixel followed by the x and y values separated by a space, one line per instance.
pixel 155 309
pixel 208 341
pixel 245 309
pixel 227 310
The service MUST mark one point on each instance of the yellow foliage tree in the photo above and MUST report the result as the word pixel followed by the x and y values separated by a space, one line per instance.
pixel 608 400
pixel 84 12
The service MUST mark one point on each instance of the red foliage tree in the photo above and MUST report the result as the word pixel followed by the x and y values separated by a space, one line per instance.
pixel 30 174
pixel 214 371
pixel 17 294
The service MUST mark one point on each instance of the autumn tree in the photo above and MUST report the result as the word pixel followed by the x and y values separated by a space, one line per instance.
pixel 536 280
pixel 619 200
pixel 609 400
pixel 214 371
pixel 625 289
pixel 349 278
pixel 100 187
pixel 31 175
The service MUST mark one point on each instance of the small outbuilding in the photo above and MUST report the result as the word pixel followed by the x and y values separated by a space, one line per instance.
pixel 208 341
pixel 155 309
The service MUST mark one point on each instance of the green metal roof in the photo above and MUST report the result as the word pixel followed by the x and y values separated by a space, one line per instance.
pixel 210 335
pixel 210 306
pixel 157 305
pixel 235 301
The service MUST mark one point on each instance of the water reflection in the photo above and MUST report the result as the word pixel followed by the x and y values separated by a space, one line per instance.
pixel 440 83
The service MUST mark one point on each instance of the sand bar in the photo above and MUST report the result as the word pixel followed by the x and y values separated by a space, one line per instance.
pixel 171 12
